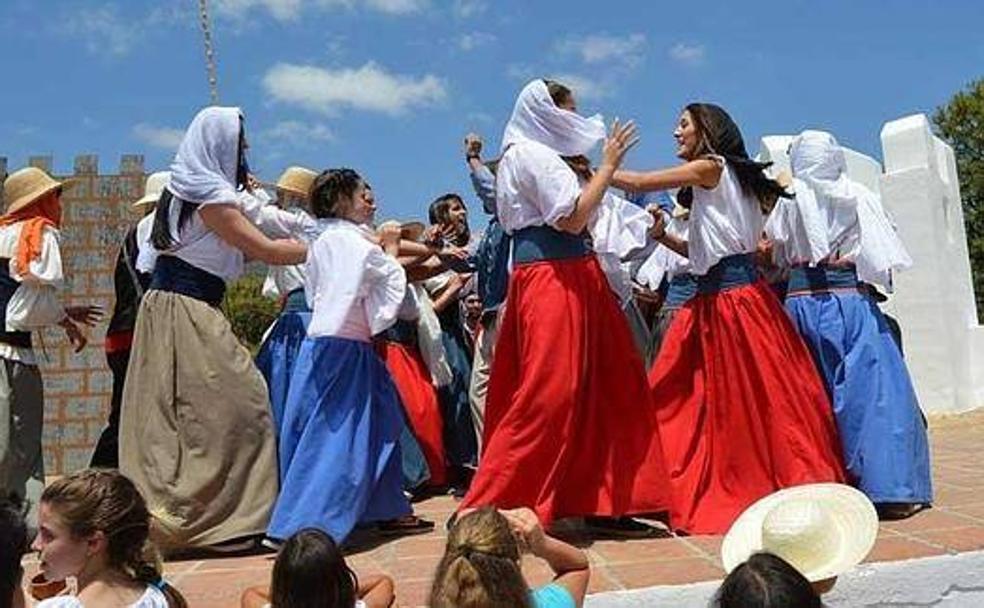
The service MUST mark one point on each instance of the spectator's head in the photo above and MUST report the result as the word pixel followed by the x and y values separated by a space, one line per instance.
pixel 342 193
pixel 766 581
pixel 310 572
pixel 13 545
pixel 294 187
pixel 481 565
pixel 450 210
pixel 95 520
pixel 821 530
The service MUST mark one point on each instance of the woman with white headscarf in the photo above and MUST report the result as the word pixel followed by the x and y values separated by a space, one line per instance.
pixel 569 426
pixel 196 435
pixel 833 235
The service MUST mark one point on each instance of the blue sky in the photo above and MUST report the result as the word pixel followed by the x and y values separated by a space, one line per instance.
pixel 390 87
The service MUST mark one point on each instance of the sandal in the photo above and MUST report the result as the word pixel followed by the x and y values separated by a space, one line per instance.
pixel 409 524
pixel 621 527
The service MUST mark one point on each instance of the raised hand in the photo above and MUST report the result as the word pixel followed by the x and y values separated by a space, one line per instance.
pixel 620 140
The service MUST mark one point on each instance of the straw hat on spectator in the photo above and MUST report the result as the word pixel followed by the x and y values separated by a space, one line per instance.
pixel 27 186
pixel 153 188
pixel 823 530
pixel 297 180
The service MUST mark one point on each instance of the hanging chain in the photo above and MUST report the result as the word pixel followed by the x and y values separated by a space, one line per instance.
pixel 213 81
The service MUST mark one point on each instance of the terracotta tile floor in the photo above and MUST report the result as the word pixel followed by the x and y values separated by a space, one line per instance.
pixel 955 524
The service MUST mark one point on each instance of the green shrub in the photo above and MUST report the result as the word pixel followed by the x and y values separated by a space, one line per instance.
pixel 248 311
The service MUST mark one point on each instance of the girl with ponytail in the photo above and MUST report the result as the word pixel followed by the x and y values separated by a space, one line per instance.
pixel 481 564
pixel 94 526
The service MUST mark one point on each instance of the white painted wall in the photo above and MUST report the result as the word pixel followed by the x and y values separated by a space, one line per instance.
pixel 933 301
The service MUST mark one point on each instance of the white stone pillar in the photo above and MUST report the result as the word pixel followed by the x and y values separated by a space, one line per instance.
pixel 934 301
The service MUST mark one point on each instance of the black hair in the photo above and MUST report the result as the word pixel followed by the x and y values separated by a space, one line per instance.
pixel 560 94
pixel 330 188
pixel 719 135
pixel 310 572
pixel 439 212
pixel 160 234
pixel 766 581
pixel 13 546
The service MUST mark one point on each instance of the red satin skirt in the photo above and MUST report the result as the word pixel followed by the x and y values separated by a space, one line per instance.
pixel 413 382
pixel 742 411
pixel 570 428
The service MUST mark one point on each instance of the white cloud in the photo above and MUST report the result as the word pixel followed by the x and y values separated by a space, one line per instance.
pixel 290 10
pixel 473 40
pixel 625 50
pixel 103 30
pixel 369 88
pixel 688 54
pixel 464 9
pixel 159 137
pixel 296 132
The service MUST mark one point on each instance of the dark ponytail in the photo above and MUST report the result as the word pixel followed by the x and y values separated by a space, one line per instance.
pixel 160 234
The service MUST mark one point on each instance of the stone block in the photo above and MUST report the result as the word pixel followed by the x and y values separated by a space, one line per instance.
pixel 132 164
pixel 41 162
pixel 86 164
pixel 52 462
pixel 81 189
pixel 92 406
pixel 52 409
pixel 101 283
pixel 63 383
pixel 73 236
pixel 75 459
pixel 66 433
pixel 88 260
pixel 99 382
pixel 91 357
pixel 90 211
pixel 107 236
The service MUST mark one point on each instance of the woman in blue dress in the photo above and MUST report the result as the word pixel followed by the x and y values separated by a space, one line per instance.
pixel 833 235
pixel 340 459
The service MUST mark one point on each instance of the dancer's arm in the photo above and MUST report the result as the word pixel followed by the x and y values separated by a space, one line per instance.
pixel 658 233
pixel 450 293
pixel 232 226
pixel 621 139
pixel 703 172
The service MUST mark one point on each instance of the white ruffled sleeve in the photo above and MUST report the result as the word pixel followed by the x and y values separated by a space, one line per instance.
pixel 547 182
pixel 386 285
pixel 619 227
pixel 35 304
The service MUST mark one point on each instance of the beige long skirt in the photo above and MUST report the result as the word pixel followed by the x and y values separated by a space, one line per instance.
pixel 195 431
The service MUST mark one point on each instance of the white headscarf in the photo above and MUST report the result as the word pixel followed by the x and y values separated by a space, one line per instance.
pixel 820 171
pixel 204 169
pixel 537 118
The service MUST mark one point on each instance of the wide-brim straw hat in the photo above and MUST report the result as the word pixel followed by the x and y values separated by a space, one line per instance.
pixel 153 188
pixel 823 530
pixel 27 186
pixel 297 180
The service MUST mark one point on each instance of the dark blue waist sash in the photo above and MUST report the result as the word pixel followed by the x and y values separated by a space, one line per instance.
pixel 296 301
pixel 821 279
pixel 404 332
pixel 539 243
pixel 173 274
pixel 682 288
pixel 733 271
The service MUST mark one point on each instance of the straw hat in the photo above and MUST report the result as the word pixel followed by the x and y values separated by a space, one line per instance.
pixel 822 530
pixel 24 187
pixel 153 188
pixel 297 180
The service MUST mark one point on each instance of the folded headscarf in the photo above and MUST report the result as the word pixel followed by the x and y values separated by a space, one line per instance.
pixel 205 169
pixel 36 217
pixel 820 171
pixel 537 118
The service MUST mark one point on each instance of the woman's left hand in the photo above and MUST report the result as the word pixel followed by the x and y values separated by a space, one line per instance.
pixel 86 315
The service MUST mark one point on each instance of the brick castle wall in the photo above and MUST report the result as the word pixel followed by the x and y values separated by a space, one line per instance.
pixel 96 216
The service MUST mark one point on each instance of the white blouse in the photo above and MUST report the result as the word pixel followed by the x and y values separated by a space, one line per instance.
pixel 534 186
pixel 723 221
pixel 663 261
pixel 35 304
pixel 151 598
pixel 353 288
pixel 295 224
pixel 146 254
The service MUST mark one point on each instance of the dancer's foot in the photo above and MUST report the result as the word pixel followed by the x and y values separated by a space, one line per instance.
pixel 892 511
pixel 409 524
pixel 621 527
